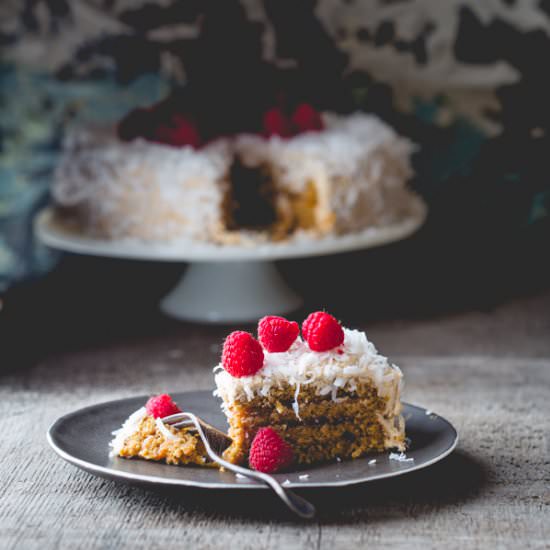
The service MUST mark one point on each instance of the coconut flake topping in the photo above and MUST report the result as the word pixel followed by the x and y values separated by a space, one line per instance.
pixel 325 371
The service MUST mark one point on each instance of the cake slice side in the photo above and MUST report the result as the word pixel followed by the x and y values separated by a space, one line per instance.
pixel 339 404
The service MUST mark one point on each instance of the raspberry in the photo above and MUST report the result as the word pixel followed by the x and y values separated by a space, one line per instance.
pixel 322 331
pixel 160 406
pixel 306 119
pixel 277 334
pixel 276 123
pixel 242 354
pixel 178 133
pixel 269 452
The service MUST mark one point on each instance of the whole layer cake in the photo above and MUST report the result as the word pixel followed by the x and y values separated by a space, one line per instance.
pixel 345 174
pixel 339 403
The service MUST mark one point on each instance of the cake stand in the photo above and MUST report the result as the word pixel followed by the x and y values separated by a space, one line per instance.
pixel 229 283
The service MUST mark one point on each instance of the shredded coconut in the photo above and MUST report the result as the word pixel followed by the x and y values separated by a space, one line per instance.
pixel 400 457
pixel 295 405
pixel 303 477
pixel 325 371
pixel 372 462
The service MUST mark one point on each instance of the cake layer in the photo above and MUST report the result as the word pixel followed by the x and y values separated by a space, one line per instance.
pixel 362 417
pixel 317 443
pixel 281 407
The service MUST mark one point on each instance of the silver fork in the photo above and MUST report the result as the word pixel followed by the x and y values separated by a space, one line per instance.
pixel 212 437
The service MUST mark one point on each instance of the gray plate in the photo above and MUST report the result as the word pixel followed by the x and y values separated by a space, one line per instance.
pixel 82 438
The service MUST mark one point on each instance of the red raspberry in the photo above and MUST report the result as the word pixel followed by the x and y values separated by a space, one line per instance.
pixel 160 406
pixel 277 333
pixel 306 118
pixel 322 331
pixel 276 123
pixel 242 354
pixel 269 452
pixel 178 133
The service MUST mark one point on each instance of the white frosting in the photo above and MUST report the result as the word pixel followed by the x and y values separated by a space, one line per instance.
pixel 141 189
pixel 354 362
pixel 129 427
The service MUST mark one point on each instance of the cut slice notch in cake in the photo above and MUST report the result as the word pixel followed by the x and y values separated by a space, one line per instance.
pixel 341 402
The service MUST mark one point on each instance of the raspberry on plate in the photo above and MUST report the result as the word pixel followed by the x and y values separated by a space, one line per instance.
pixel 269 452
pixel 160 406
pixel 242 354
pixel 322 331
pixel 277 334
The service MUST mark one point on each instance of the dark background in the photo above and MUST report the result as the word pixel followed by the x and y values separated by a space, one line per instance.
pixel 487 235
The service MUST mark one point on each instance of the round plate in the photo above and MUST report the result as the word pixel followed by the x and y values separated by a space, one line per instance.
pixel 82 438
pixel 55 235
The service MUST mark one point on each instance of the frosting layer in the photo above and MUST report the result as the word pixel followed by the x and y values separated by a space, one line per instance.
pixel 356 361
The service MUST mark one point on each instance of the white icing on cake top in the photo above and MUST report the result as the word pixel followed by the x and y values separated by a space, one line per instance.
pixel 325 371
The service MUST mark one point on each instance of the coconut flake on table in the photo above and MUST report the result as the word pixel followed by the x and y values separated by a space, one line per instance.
pixel 372 462
pixel 303 477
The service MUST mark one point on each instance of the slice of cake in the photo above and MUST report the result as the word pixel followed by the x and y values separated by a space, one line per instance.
pixel 330 396
pixel 144 435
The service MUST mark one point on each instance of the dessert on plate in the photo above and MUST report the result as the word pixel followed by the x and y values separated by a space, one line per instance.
pixel 289 400
pixel 329 395
pixel 302 173
pixel 144 435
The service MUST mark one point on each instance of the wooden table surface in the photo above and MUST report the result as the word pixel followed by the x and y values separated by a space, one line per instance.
pixel 487 372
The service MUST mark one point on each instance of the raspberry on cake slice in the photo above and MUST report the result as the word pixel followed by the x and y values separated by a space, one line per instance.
pixel 326 396
pixel 144 435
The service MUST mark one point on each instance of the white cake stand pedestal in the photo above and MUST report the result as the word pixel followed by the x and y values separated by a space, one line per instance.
pixel 229 283
pixel 220 292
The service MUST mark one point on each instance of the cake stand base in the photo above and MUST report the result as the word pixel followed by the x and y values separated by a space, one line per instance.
pixel 230 292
